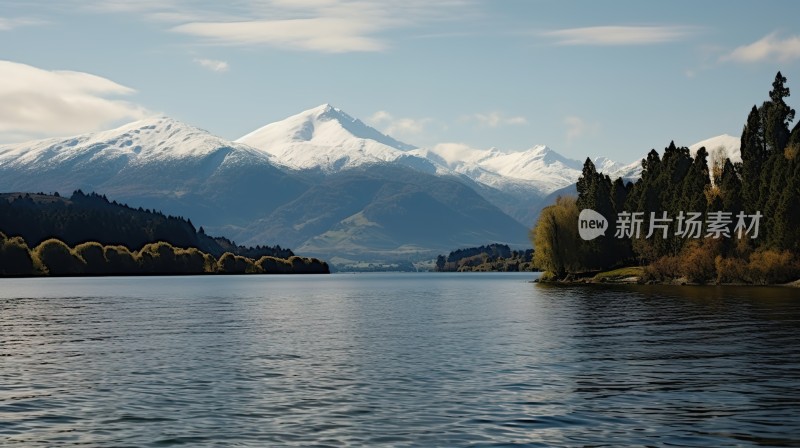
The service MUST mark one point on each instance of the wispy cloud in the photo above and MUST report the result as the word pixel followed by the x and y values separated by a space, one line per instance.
pixel 398 127
pixel 620 35
pixel 329 26
pixel 315 25
pixel 769 47
pixel 578 128
pixel 10 23
pixel 495 119
pixel 37 103
pixel 168 12
pixel 213 65
pixel 324 34
pixel 453 152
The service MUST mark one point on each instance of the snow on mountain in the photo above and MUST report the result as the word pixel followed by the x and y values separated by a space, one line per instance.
pixel 632 170
pixel 155 163
pixel 152 140
pixel 328 139
pixel 720 147
pixel 538 168
pixel 606 165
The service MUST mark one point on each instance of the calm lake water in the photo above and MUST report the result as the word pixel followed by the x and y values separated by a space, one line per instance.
pixel 395 360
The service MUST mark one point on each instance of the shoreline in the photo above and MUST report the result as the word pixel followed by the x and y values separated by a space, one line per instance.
pixel 635 276
pixel 639 282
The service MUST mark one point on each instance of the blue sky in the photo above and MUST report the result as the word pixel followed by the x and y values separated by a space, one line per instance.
pixel 586 78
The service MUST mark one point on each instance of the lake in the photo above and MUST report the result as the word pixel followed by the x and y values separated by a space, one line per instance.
pixel 395 360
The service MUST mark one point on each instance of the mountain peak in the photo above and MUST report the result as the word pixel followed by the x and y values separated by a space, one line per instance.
pixel 324 137
pixel 327 112
pixel 320 110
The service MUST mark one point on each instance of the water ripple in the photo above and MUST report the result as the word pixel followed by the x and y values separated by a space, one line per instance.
pixel 395 360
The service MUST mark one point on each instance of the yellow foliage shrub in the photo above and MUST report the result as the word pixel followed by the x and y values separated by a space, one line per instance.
pixel 772 266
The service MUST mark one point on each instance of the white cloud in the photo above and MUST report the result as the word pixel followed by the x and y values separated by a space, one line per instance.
pixel 496 119
pixel 36 103
pixel 407 126
pixel 213 65
pixel 770 47
pixel 578 128
pixel 380 117
pixel 620 35
pixel 456 152
pixel 398 127
pixel 324 34
pixel 8 24
pixel 329 26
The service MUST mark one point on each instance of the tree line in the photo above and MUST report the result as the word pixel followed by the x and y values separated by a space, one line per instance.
pixel 56 258
pixel 491 257
pixel 703 217
pixel 86 234
pixel 92 217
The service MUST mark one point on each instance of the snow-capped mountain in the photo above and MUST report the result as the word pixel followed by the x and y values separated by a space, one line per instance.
pixel 614 169
pixel 320 181
pixel 156 163
pixel 720 147
pixel 328 139
pixel 383 207
pixel 539 169
pixel 149 141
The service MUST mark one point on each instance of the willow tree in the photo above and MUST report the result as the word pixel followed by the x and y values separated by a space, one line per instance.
pixel 555 238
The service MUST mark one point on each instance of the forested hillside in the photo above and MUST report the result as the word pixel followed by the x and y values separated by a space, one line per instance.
pixel 92 217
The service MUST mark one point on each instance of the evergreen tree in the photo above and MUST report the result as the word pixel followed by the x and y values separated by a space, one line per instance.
pixel 663 188
pixel 794 137
pixel 694 186
pixel 731 189
pixel 777 116
pixel 786 224
pixel 619 195
pixel 595 193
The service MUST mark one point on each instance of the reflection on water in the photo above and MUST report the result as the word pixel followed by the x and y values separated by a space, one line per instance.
pixel 414 360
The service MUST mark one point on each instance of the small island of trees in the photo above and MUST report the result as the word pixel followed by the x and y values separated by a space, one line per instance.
pixel 489 258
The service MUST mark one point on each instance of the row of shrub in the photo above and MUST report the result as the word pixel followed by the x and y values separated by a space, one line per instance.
pixel 702 262
pixel 54 257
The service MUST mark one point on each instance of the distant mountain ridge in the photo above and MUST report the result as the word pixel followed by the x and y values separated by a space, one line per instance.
pixel 320 181
pixel 158 163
